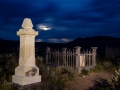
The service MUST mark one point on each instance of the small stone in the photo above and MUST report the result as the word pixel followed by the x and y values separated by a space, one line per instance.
pixel 83 76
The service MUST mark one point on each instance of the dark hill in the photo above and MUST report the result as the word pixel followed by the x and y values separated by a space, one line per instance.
pixel 8 44
pixel 97 41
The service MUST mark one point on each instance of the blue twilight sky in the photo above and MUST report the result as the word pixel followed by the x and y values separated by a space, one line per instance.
pixel 66 20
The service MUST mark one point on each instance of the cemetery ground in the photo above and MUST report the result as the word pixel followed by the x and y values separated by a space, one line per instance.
pixel 93 81
pixel 63 78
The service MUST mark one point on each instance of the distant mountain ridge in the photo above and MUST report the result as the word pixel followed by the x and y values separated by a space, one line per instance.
pixel 97 41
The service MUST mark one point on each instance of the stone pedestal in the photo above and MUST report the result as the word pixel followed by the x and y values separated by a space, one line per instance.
pixel 24 80
pixel 34 86
pixel 26 72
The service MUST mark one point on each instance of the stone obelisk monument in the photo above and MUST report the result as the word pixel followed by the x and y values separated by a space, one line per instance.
pixel 26 72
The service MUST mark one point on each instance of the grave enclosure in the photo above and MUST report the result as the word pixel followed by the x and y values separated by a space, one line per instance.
pixel 74 58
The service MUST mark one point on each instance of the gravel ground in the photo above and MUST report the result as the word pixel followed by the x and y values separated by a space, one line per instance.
pixel 89 82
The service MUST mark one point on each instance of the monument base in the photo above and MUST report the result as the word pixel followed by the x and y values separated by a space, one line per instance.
pixel 25 80
pixel 34 86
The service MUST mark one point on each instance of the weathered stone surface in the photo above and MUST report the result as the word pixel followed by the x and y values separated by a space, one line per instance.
pixel 26 72
pixel 27 51
pixel 25 80
pixel 31 72
pixel 82 60
pixel 27 23
pixel 27 28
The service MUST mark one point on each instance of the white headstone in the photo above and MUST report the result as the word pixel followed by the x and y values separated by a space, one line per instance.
pixel 27 72
pixel 82 60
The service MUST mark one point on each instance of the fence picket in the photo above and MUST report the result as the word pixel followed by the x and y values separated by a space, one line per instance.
pixel 71 58
pixel 67 62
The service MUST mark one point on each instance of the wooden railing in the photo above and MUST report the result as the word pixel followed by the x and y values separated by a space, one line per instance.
pixel 71 58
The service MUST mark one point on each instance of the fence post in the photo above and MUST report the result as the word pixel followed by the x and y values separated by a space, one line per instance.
pixel 94 55
pixel 77 52
pixel 64 56
pixel 47 54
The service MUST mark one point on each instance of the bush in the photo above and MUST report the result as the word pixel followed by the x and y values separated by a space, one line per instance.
pixel 8 63
pixel 84 72
pixel 114 82
pixel 71 76
pixel 51 80
pixel 108 66
pixel 64 70
pixel 104 88
pixel 97 68
pixel 6 87
pixel 61 83
pixel 105 65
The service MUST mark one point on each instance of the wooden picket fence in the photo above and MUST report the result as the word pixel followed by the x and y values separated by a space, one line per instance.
pixel 71 58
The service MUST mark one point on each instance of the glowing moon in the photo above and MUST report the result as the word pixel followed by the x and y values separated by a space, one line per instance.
pixel 43 27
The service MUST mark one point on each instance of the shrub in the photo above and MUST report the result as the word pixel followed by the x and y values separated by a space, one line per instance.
pixel 64 70
pixel 108 66
pixel 52 81
pixel 114 82
pixel 84 72
pixel 71 76
pixel 97 68
pixel 61 83
pixel 60 70
pixel 104 88
pixel 6 87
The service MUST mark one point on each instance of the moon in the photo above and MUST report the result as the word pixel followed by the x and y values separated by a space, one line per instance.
pixel 44 27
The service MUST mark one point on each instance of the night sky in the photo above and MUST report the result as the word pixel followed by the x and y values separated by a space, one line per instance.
pixel 64 20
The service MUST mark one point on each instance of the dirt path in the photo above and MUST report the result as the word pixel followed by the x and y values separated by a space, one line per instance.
pixel 84 83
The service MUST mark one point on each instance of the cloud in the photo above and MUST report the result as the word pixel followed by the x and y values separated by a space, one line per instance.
pixel 44 27
pixel 10 9
pixel 63 40
pixel 66 18
pixel 38 40
pixel 53 40
pixel 66 40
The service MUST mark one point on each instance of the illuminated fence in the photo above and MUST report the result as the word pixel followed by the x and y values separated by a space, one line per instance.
pixel 71 58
